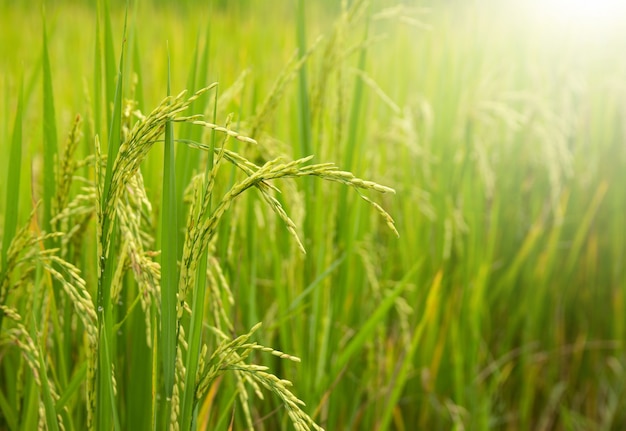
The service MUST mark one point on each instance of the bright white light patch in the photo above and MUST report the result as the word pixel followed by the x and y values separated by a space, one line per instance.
pixel 584 13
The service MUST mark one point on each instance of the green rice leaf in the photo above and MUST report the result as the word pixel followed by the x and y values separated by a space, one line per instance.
pixel 169 269
pixel 184 155
pixel 304 115
pixel 78 378
pixel 49 137
pixel 13 182
pixel 377 316
pixel 344 216
pixel 8 412
pixel 97 76
pixel 431 308
pixel 107 410
pixel 110 73
pixel 51 416
pixel 585 225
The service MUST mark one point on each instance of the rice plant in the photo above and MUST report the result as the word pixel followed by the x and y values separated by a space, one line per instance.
pixel 175 293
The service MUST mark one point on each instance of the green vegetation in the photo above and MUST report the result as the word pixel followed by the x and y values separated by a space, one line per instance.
pixel 175 251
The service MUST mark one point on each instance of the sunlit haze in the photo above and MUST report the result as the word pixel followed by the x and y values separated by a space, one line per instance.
pixel 583 14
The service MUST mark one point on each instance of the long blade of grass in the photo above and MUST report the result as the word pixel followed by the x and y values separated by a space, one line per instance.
pixel 51 416
pixel 585 225
pixel 356 109
pixel 97 76
pixel 315 283
pixel 106 409
pixel 50 155
pixel 113 148
pixel 74 385
pixel 30 408
pixel 13 183
pixel 304 115
pixel 110 73
pixel 169 270
pixel 139 96
pixel 227 412
pixel 9 413
pixel 109 391
pixel 432 305
pixel 344 217
pixel 184 156
pixel 49 136
pixel 372 322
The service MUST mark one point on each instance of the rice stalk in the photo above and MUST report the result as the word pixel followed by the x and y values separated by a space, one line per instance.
pixel 169 270
pixel 125 246
pixel 50 136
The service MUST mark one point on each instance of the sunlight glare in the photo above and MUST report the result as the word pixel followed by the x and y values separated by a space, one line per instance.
pixel 584 13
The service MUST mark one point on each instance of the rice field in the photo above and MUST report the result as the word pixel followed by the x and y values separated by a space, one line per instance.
pixel 350 215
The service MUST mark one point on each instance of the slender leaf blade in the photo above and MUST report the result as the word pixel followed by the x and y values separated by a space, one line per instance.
pixel 169 269
pixel 49 136
pixel 13 181
pixel 107 410
pixel 370 325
